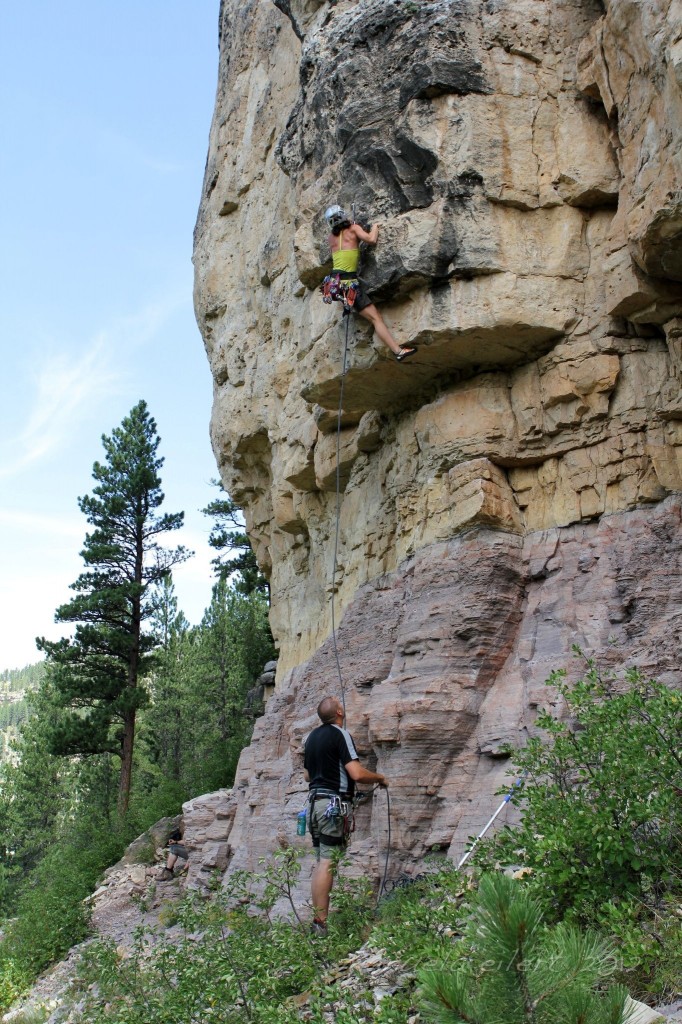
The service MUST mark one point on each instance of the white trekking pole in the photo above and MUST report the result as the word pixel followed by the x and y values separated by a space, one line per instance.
pixel 483 832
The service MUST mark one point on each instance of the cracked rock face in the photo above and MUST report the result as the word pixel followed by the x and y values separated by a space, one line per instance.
pixel 512 489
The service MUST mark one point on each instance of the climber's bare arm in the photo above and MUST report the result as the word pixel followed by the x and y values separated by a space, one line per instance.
pixel 370 237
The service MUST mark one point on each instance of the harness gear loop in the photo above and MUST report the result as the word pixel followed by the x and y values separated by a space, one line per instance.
pixel 335 288
pixel 337 807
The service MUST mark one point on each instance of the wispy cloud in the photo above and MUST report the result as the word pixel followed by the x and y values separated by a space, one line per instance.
pixel 140 328
pixel 64 388
pixel 34 523
pixel 67 387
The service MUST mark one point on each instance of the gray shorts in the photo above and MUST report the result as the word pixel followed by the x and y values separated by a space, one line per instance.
pixel 330 831
pixel 177 850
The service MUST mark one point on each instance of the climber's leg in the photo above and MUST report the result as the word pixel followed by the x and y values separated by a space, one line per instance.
pixel 372 314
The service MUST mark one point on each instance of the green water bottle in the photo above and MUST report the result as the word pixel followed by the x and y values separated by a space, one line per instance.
pixel 300 823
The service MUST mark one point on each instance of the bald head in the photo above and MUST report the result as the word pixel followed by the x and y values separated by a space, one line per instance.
pixel 329 709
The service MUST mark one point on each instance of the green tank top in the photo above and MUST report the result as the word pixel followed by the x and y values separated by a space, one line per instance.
pixel 345 260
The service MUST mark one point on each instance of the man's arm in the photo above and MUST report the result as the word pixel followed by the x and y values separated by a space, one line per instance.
pixel 366 236
pixel 306 776
pixel 360 774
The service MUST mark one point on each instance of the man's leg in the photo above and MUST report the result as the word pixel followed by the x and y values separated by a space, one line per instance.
pixel 321 885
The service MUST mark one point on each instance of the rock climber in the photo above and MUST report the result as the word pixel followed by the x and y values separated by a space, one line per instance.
pixel 344 242
pixel 331 767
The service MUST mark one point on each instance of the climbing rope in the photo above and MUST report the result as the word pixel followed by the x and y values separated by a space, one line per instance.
pixel 346 313
pixel 382 887
pixel 365 795
pixel 344 368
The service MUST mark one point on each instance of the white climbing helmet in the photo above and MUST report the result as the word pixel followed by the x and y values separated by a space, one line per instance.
pixel 335 216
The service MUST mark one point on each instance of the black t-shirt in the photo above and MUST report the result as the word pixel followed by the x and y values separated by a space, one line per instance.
pixel 327 749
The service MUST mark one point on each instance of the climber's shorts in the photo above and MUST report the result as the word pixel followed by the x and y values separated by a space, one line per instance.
pixel 362 299
pixel 329 831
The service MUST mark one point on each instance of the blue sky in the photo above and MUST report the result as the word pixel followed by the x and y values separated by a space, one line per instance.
pixel 105 113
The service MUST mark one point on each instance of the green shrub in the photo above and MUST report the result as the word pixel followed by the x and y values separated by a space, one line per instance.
pixel 648 943
pixel 50 913
pixel 234 961
pixel 169 915
pixel 13 981
pixel 601 810
pixel 518 971
pixel 420 920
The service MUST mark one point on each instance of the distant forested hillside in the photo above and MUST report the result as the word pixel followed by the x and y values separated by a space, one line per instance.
pixel 14 679
pixel 14 708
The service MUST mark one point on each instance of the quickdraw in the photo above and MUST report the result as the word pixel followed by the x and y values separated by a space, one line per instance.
pixel 334 288
pixel 338 808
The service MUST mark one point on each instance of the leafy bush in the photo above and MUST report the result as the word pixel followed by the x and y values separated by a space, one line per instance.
pixel 13 981
pixel 420 919
pixel 51 915
pixel 648 942
pixel 235 960
pixel 517 970
pixel 601 810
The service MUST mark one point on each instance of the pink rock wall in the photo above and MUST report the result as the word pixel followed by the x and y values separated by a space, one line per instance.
pixel 445 660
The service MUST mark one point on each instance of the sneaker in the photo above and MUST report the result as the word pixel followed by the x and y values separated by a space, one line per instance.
pixel 319 928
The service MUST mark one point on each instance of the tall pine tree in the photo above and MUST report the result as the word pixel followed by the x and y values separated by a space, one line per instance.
pixel 97 673
pixel 235 555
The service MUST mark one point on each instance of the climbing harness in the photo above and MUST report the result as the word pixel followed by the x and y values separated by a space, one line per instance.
pixel 517 785
pixel 337 808
pixel 339 288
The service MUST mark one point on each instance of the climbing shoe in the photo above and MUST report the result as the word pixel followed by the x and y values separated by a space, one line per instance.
pixel 405 352
pixel 319 928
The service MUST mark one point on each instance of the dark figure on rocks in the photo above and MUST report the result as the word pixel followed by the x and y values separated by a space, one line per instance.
pixel 176 852
pixel 344 242
pixel 331 768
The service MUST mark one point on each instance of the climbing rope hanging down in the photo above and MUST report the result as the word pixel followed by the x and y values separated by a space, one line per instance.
pixel 365 795
pixel 347 308
pixel 346 312
pixel 334 288
pixel 339 287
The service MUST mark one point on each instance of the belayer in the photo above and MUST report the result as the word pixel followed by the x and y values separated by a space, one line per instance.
pixel 331 769
pixel 343 283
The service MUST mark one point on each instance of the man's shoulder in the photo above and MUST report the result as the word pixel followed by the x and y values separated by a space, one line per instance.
pixel 317 732
pixel 328 730
pixel 348 739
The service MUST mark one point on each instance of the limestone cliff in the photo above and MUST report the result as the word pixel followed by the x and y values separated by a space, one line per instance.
pixel 514 488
